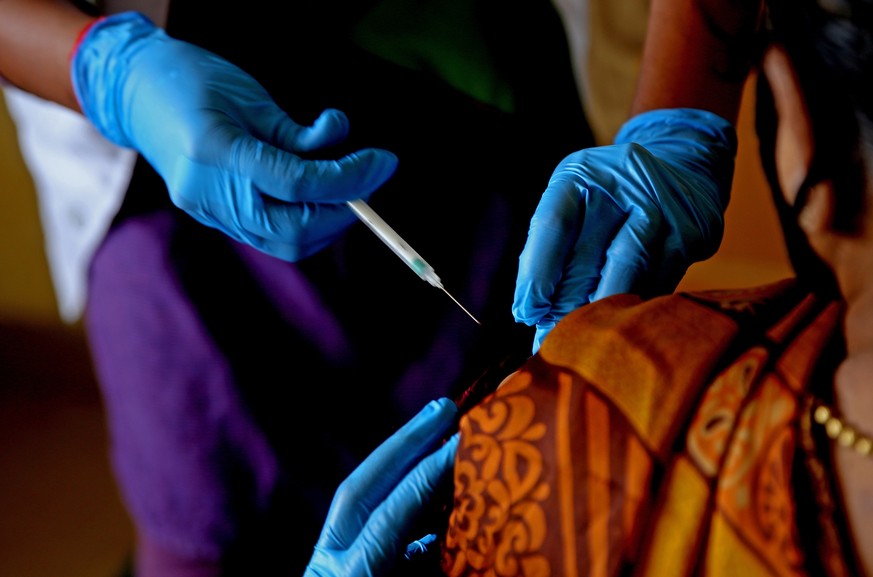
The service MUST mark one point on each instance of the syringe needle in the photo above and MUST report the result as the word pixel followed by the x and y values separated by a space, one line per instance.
pixel 406 253
pixel 469 314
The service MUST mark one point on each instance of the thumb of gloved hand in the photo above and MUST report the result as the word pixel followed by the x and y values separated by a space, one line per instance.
pixel 374 509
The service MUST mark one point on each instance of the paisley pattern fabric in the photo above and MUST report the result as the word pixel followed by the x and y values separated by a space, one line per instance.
pixel 655 438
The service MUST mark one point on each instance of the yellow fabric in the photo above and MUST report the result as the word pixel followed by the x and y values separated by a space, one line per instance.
pixel 679 523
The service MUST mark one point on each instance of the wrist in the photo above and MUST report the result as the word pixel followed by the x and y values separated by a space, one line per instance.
pixel 81 35
pixel 99 64
pixel 700 144
pixel 693 122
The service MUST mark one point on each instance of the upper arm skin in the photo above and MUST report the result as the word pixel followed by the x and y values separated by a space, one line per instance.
pixel 698 54
pixel 36 39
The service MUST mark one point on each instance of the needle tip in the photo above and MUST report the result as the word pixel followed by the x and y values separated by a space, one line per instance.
pixel 469 314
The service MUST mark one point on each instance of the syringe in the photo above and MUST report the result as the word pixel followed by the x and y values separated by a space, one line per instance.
pixel 400 247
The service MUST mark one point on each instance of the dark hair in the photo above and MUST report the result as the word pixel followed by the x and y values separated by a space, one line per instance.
pixel 830 43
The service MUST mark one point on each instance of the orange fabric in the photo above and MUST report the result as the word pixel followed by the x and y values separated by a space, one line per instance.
pixel 643 349
pixel 647 439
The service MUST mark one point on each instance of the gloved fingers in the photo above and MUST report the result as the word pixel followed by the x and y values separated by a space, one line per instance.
pixel 386 533
pixel 553 232
pixel 329 129
pixel 569 295
pixel 272 125
pixel 628 258
pixel 285 176
pixel 582 273
pixel 290 231
pixel 293 231
pixel 544 327
pixel 387 466
pixel 580 280
pixel 378 475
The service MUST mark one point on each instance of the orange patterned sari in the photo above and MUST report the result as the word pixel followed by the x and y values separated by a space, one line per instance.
pixel 662 438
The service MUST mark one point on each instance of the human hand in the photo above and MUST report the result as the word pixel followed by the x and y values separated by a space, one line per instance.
pixel 376 506
pixel 227 152
pixel 629 217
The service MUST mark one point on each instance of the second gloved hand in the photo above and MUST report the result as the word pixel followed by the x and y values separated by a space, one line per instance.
pixel 630 217
pixel 374 509
pixel 226 151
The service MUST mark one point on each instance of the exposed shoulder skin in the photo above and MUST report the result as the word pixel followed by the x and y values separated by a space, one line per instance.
pixel 36 38
pixel 697 54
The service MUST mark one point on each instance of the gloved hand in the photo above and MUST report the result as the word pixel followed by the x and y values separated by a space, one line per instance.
pixel 629 217
pixel 374 509
pixel 224 148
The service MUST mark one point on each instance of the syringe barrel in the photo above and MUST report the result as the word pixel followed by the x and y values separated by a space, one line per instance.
pixel 394 241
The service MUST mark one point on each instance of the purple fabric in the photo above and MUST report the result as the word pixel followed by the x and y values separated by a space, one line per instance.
pixel 176 419
pixel 215 359
pixel 153 559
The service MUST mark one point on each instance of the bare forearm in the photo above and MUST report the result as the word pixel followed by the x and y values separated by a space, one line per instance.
pixel 36 37
pixel 697 55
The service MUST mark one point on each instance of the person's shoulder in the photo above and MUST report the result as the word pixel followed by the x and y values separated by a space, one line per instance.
pixel 627 322
pixel 663 343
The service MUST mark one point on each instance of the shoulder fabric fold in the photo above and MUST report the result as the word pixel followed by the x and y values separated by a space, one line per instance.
pixel 654 356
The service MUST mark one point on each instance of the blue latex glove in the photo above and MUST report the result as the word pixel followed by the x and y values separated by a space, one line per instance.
pixel 224 148
pixel 629 217
pixel 374 509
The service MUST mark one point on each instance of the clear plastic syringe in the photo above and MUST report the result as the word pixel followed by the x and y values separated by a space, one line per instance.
pixel 400 247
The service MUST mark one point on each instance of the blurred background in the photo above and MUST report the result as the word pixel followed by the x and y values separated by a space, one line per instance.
pixel 61 514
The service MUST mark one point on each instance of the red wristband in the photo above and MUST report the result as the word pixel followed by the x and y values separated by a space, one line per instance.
pixel 82 34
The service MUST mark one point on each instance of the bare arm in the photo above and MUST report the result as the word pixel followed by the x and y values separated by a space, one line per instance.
pixel 697 55
pixel 36 37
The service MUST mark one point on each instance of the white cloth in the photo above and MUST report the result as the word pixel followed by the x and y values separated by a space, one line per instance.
pixel 79 176
pixel 80 179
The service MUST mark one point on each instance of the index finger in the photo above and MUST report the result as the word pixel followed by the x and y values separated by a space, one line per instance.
pixel 379 474
pixel 288 177
pixel 629 256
